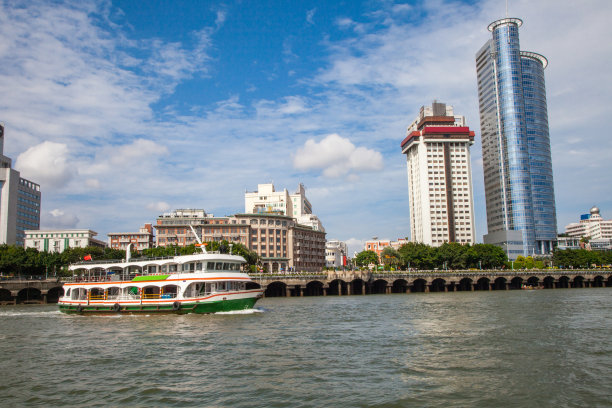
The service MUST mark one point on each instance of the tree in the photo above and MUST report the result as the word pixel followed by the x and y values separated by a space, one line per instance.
pixel 365 258
pixel 390 257
pixel 417 255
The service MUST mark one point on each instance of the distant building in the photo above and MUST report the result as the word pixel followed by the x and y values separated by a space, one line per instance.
pixel 518 177
pixel 281 243
pixel 378 246
pixel 60 240
pixel 335 254
pixel 591 225
pixel 437 149
pixel 143 239
pixel 19 202
pixel 266 200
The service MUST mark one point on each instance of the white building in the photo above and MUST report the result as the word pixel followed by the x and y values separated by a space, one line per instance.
pixel 437 149
pixel 59 240
pixel 19 202
pixel 266 200
pixel 335 254
pixel 591 225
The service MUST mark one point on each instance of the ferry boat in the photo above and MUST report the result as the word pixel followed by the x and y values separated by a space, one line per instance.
pixel 199 283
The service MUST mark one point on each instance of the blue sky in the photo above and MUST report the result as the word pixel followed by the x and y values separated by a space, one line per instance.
pixel 123 110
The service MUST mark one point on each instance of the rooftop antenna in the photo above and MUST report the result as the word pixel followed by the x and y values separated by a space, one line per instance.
pixel 506 8
pixel 199 244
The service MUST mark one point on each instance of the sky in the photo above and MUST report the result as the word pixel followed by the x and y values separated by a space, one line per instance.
pixel 124 110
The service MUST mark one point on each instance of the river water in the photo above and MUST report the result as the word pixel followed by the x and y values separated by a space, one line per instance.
pixel 544 348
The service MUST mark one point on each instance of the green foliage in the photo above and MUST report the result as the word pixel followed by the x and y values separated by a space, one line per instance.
pixel 365 258
pixel 419 256
pixel 390 257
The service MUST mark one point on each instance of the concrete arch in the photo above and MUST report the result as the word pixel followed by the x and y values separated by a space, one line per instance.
pixel 253 285
pixel 337 287
pixel 564 282
pixel 29 295
pixel 548 282
pixel 533 281
pixel 500 283
pixel 438 285
pixel 609 282
pixel 399 286
pixel 598 282
pixel 5 295
pixel 578 282
pixel 314 288
pixel 379 286
pixel 465 284
pixel 276 289
pixel 483 283
pixel 418 285
pixel 358 287
pixel 516 282
pixel 54 294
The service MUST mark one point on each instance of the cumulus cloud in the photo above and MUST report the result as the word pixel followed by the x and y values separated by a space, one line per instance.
pixel 336 157
pixel 59 219
pixel 46 164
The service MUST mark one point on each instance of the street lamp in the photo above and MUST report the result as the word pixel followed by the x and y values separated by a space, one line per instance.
pixel 508 254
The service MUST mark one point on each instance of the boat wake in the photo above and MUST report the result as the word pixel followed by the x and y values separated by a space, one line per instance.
pixel 43 314
pixel 242 312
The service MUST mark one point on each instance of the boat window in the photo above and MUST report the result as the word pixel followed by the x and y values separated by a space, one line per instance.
pixel 210 266
pixel 219 266
pixel 226 266
pixel 68 292
pixel 171 268
pixel 198 266
pixel 164 269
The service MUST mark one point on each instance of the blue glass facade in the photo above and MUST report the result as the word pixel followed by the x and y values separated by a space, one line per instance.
pixel 515 141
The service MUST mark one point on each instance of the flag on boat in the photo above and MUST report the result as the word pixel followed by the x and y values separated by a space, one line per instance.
pixel 87 258
pixel 203 244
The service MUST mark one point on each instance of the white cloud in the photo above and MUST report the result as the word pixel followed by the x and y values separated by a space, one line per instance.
pixel 58 219
pixel 310 15
pixel 46 164
pixel 337 157
pixel 160 206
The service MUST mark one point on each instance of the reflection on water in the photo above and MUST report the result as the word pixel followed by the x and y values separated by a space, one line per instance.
pixel 515 348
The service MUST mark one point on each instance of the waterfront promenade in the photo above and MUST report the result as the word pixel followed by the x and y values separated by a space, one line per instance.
pixel 355 282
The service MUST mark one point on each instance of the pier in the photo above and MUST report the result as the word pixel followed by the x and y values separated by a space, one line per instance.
pixel 347 283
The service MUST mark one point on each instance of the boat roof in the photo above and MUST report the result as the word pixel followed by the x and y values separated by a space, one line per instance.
pixel 168 260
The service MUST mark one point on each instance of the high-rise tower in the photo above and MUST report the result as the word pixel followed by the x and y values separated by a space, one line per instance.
pixel 437 149
pixel 518 177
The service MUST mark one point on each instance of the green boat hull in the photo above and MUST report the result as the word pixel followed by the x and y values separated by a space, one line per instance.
pixel 185 307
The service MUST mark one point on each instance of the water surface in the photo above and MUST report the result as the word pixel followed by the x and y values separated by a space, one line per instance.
pixel 547 348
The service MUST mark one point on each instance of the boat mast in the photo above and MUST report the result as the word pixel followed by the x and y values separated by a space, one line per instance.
pixel 201 245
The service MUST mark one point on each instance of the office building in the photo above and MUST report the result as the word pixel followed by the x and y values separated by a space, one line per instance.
pixel 143 239
pixel 19 202
pixel 60 240
pixel 518 177
pixel 437 149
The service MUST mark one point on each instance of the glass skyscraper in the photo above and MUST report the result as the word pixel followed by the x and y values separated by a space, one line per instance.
pixel 518 178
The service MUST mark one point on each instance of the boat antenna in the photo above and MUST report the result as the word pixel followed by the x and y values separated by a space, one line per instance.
pixel 199 244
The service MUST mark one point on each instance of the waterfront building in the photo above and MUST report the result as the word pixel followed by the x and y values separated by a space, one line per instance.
pixel 60 240
pixel 519 191
pixel 19 202
pixel 591 225
pixel 143 239
pixel 279 240
pixel 335 253
pixel 437 149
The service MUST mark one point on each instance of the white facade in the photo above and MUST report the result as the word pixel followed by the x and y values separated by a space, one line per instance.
pixel 266 200
pixel 437 149
pixel 335 254
pixel 19 202
pixel 60 240
pixel 591 225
